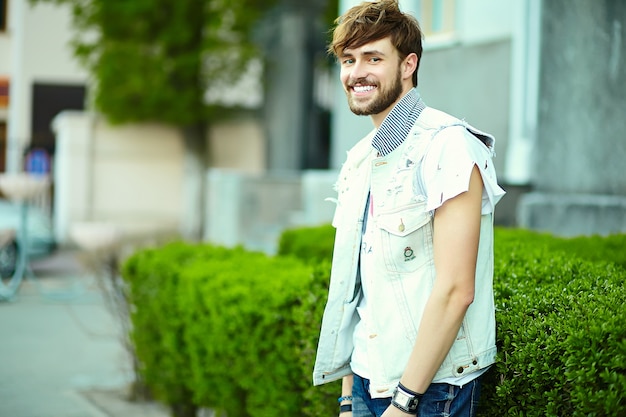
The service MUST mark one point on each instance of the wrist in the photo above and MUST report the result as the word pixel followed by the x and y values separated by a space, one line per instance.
pixel 345 404
pixel 405 399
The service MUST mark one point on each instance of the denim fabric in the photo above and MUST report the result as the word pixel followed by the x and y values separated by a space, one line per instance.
pixel 363 405
pixel 440 400
pixel 403 265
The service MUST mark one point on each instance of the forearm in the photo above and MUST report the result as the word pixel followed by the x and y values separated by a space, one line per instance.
pixel 346 386
pixel 346 395
pixel 438 329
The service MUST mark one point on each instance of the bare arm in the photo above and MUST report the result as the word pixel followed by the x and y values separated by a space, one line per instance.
pixel 456 236
pixel 346 390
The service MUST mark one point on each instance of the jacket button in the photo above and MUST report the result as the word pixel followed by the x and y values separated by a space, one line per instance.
pixel 474 362
pixel 460 370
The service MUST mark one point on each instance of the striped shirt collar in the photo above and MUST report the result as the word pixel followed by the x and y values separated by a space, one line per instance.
pixel 398 123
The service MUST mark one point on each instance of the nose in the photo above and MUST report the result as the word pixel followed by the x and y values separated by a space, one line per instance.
pixel 358 70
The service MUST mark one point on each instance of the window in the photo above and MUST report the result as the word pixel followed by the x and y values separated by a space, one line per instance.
pixel 48 100
pixel 3 144
pixel 4 92
pixel 437 18
pixel 3 15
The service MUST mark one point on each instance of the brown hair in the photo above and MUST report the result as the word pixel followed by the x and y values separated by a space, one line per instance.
pixel 372 21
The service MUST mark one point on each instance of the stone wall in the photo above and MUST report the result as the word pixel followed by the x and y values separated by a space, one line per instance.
pixel 579 174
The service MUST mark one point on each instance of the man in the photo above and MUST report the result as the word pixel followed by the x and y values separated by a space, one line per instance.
pixel 409 323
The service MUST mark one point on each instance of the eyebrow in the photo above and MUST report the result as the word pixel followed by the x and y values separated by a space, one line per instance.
pixel 364 53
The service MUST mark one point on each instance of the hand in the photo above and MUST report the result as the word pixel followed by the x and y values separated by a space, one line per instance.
pixel 393 411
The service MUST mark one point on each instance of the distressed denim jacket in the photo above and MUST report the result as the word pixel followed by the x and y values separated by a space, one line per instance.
pixel 405 269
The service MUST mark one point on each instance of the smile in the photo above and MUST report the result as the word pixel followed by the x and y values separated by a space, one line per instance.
pixel 363 88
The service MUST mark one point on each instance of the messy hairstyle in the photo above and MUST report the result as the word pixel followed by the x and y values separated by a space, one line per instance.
pixel 373 21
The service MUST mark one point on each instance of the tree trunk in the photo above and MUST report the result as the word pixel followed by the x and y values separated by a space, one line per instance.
pixel 195 165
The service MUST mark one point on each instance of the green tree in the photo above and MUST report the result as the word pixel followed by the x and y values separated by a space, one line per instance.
pixel 154 60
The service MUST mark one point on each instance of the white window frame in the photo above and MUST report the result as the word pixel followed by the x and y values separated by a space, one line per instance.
pixel 438 21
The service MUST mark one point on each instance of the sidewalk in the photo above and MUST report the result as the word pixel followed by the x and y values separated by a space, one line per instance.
pixel 63 356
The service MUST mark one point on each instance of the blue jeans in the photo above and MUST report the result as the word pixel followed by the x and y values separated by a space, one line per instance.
pixel 440 400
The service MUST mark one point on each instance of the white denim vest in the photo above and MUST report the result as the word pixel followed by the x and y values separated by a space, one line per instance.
pixel 405 271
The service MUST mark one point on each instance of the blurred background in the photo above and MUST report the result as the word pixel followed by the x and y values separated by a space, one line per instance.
pixel 225 121
pixel 124 123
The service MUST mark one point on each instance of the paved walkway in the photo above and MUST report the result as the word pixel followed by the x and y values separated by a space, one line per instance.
pixel 63 356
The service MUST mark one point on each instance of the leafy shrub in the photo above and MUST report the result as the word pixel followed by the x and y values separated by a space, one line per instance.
pixel 592 248
pixel 320 400
pixel 213 324
pixel 154 276
pixel 241 334
pixel 560 332
pixel 311 244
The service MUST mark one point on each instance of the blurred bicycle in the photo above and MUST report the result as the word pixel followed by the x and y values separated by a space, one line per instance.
pixel 13 260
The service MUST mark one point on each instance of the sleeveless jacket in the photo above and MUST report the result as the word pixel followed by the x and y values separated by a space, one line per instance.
pixel 405 269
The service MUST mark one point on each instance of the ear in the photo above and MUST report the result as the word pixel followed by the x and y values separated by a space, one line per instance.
pixel 409 66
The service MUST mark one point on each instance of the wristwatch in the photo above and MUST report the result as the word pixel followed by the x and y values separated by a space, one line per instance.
pixel 405 399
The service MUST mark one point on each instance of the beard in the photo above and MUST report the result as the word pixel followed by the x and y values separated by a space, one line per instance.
pixel 383 99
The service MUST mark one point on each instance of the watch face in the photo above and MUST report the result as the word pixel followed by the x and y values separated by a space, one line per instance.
pixel 402 399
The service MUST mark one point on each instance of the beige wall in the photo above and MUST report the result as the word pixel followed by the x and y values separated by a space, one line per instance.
pixel 238 144
pixel 129 176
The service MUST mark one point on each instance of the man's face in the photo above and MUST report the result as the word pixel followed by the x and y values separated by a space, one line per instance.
pixel 371 77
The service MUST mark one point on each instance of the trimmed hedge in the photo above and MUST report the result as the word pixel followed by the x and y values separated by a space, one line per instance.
pixel 310 244
pixel 560 327
pixel 212 324
pixel 154 277
pixel 242 339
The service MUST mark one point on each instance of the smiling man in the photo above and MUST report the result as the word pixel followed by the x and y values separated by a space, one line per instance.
pixel 362 67
pixel 409 324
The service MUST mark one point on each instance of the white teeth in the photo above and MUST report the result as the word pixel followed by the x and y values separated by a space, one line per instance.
pixel 363 88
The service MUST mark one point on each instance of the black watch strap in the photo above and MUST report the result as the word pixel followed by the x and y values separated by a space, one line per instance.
pixel 405 399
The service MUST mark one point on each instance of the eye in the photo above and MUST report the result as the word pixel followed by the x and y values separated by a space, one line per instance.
pixel 375 59
pixel 347 61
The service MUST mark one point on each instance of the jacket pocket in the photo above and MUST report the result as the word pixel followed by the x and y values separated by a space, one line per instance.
pixel 406 235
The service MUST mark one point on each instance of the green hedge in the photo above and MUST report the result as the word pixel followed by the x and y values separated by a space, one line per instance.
pixel 310 244
pixel 212 324
pixel 560 327
pixel 154 277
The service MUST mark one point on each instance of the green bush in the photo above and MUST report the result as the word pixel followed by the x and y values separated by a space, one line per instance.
pixel 311 244
pixel 560 329
pixel 320 400
pixel 592 248
pixel 241 333
pixel 213 324
pixel 216 328
pixel 154 276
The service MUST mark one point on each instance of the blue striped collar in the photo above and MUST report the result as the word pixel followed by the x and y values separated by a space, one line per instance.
pixel 398 123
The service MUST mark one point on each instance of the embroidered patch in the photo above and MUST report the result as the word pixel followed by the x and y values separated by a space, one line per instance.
pixel 408 254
